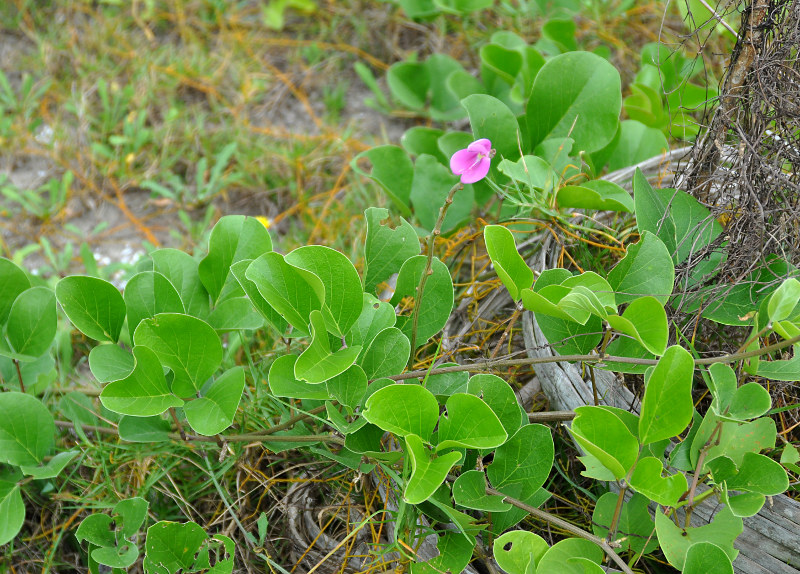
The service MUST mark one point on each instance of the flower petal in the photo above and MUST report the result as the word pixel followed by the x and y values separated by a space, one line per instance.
pixel 482 146
pixel 462 160
pixel 478 172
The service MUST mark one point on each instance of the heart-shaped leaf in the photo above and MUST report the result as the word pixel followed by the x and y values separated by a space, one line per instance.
pixel 427 473
pixel 577 94
pixel 500 397
pixel 147 294
pixel 110 363
pixel 386 248
pixel 343 291
pixel 234 238
pixel 469 490
pixel 27 430
pixel 607 438
pixel 186 345
pixel 387 355
pixel 675 541
pixel 392 170
pixel 144 392
pixel 32 322
pixel 437 299
pixel 595 194
pixel 647 480
pixel 646 321
pixel 318 363
pixel 646 269
pixel 470 423
pixel 707 558
pixel 181 269
pixel 403 410
pixel 283 383
pixel 349 387
pixel 94 306
pixel 667 405
pixel 13 281
pixel 508 263
pixel 213 412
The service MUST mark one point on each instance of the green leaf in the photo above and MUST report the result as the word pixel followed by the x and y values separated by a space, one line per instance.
pixel 784 300
pixel 500 397
pixel 181 269
pixel 233 314
pixel 292 292
pixel 530 170
pixel 143 429
pixel 447 384
pixel 521 465
pixel 637 142
pixel 32 322
pixel 556 558
pixel 375 316
pixel 409 82
pixel 491 119
pixel 427 474
pixel 675 542
pixel 12 509
pixel 186 345
pixel 417 141
pixel 234 238
pixel 707 558
pixel 579 95
pixel 635 527
pixel 761 474
pixel 213 411
pixel 110 363
pixel 387 355
pixel 722 385
pixel 53 467
pixel 146 295
pixel 367 441
pixel 469 490
pixel 94 306
pixel 274 318
pixel 144 392
pixel 503 61
pixel 647 479
pixel 735 439
pixel 745 504
pixel 667 405
pixel 432 182
pixel 455 552
pixel 348 387
pixel 646 269
pixel 469 423
pixel 343 292
pixel 386 248
pixel 13 281
pixel 646 321
pixel 607 438
pixel 403 410
pixel 518 551
pixel 171 547
pixel 508 263
pixel 318 363
pixel 392 170
pixel 437 299
pixel 595 194
pixel 283 383
pixel 751 400
pixel 653 213
pixel 27 430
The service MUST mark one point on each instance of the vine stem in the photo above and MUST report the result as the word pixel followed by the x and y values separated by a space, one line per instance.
pixel 489 363
pixel 607 546
pixel 246 437
pixel 19 376
pixel 437 230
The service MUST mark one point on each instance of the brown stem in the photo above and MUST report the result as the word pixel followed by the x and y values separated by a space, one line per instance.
pixel 247 437
pixel 699 468
pixel 437 230
pixel 511 323
pixel 177 423
pixel 19 376
pixel 486 364
pixel 551 416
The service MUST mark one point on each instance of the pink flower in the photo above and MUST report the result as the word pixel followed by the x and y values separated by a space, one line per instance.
pixel 472 164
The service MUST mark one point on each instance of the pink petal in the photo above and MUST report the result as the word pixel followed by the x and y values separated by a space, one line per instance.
pixel 477 172
pixel 482 146
pixel 462 160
